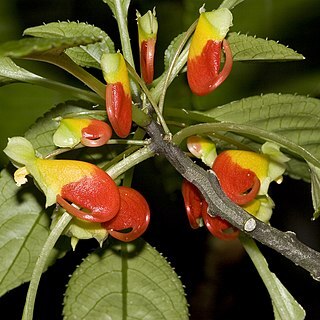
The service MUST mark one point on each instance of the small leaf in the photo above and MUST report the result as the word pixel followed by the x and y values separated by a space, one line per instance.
pixel 172 49
pixel 27 46
pixel 125 281
pixel 24 227
pixel 85 55
pixel 315 189
pixel 248 48
pixel 285 307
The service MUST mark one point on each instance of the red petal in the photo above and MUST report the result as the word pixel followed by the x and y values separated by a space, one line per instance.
pixel 97 196
pixel 219 227
pixel 203 71
pixel 239 184
pixel 147 60
pixel 119 109
pixel 193 202
pixel 134 214
pixel 96 134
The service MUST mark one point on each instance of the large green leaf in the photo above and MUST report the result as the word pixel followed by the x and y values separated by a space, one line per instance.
pixel 248 48
pixel 85 55
pixel 28 46
pixel 293 117
pixel 125 281
pixel 24 227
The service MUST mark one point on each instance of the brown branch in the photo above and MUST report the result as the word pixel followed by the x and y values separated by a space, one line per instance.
pixel 285 243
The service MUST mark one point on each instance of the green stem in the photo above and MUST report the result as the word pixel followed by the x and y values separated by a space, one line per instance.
pixel 284 304
pixel 158 89
pixel 168 78
pixel 150 98
pixel 130 161
pixel 64 62
pixel 258 260
pixel 121 14
pixel 128 176
pixel 41 263
pixel 248 130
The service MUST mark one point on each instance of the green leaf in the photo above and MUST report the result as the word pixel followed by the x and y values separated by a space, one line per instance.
pixel 248 48
pixel 10 72
pixel 28 46
pixel 293 117
pixel 285 307
pixel 315 189
pixel 172 49
pixel 24 227
pixel 85 55
pixel 125 281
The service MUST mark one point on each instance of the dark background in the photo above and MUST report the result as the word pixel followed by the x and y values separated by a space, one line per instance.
pixel 220 280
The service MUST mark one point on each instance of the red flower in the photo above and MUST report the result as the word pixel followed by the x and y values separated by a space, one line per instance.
pixel 203 68
pixel 133 217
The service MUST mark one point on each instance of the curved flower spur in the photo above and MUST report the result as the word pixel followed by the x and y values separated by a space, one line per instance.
pixel 204 59
pixel 133 217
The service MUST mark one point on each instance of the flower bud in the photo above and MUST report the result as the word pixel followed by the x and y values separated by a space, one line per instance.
pixel 118 96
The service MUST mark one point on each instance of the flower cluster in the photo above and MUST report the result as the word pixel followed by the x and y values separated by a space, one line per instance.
pixel 83 190
pixel 244 176
pixel 98 205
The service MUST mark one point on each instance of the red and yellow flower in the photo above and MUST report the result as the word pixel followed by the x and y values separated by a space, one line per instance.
pixel 90 132
pixel 244 176
pixel 147 33
pixel 204 59
pixel 85 191
pixel 94 195
pixel 118 95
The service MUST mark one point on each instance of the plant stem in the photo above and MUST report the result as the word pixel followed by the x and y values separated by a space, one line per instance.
pixel 283 302
pixel 150 98
pixel 168 78
pixel 219 204
pixel 121 16
pixel 130 161
pixel 64 62
pixel 248 130
pixel 40 265
pixel 158 89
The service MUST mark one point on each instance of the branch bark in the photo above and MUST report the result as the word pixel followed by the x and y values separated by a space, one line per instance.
pixel 286 243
